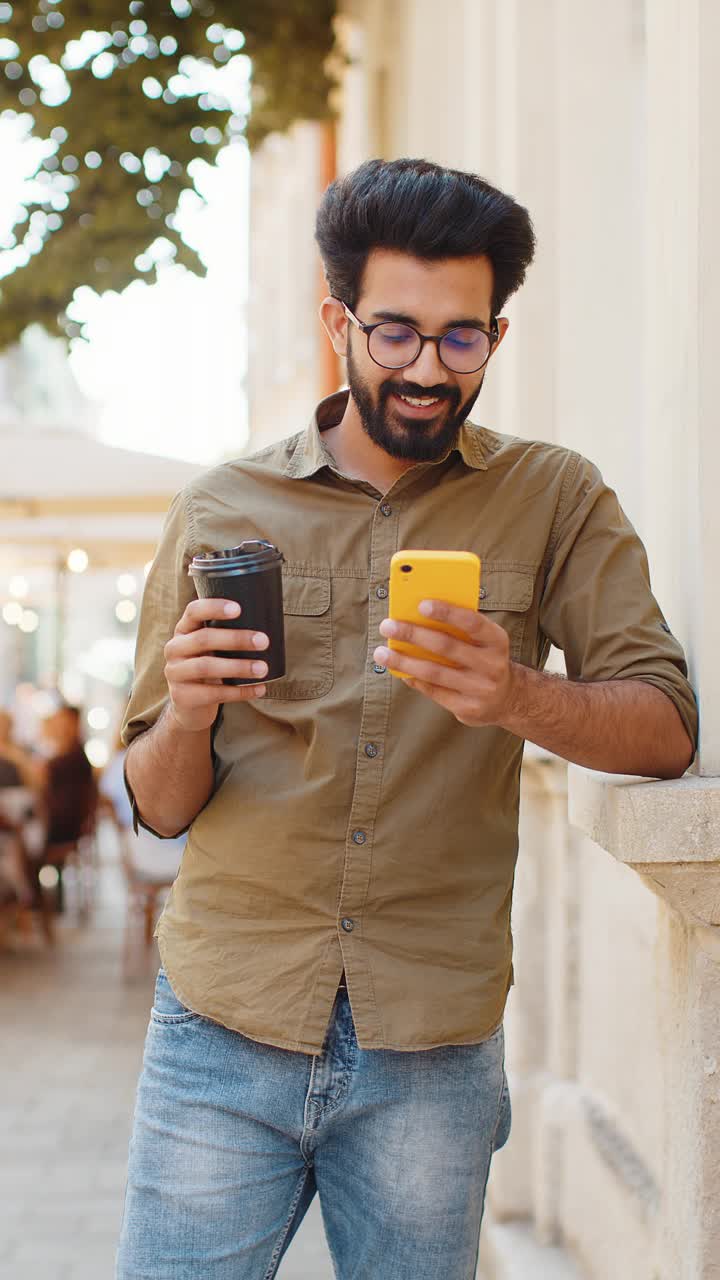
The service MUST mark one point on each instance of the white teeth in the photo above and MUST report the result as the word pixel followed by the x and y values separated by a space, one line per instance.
pixel 421 403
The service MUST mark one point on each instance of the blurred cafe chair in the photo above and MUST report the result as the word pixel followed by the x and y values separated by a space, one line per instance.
pixel 149 864
pixel 22 839
pixel 75 863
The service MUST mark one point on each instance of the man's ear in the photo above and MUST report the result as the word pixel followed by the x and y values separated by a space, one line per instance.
pixel 335 323
pixel 503 325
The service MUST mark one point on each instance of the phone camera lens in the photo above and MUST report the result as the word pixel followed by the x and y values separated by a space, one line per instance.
pixel 406 568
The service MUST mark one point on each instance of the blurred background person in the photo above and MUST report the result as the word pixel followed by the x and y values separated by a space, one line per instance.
pixel 68 786
pixel 66 776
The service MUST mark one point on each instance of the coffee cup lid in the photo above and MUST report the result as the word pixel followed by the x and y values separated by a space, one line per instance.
pixel 247 557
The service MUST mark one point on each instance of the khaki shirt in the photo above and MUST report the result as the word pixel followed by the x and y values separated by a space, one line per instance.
pixel 355 823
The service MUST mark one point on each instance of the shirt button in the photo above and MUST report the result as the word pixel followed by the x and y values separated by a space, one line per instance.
pixel 379 671
pixel 371 750
pixel 381 593
pixel 359 837
pixel 483 593
pixel 348 925
pixel 386 509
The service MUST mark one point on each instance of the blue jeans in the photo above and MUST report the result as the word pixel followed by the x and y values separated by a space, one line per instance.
pixel 232 1139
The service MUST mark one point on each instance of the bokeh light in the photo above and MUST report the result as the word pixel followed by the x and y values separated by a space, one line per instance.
pixel 98 717
pixel 78 560
pixel 97 752
pixel 29 621
pixel 12 613
pixel 126 610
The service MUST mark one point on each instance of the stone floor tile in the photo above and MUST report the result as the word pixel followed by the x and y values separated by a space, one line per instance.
pixel 34 1258
pixel 96 1263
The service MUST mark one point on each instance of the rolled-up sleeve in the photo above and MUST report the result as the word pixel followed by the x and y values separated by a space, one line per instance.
pixel 168 591
pixel 597 604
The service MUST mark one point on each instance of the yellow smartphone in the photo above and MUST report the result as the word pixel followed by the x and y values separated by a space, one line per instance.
pixel 453 576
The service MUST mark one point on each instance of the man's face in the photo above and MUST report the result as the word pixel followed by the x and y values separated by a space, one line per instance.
pixel 433 297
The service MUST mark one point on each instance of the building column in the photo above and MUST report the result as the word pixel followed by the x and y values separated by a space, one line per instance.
pixel 681 452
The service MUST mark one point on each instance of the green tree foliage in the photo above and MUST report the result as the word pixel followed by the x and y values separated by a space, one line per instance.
pixel 120 138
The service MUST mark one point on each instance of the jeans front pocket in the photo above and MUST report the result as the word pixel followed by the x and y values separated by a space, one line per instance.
pixel 166 1006
pixel 504 1123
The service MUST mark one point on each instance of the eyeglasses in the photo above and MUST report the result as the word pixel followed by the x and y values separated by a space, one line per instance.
pixel 394 346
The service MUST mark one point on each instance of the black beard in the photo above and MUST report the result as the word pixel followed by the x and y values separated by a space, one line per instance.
pixel 417 441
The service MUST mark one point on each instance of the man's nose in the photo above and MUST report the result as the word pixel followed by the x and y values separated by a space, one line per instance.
pixel 428 369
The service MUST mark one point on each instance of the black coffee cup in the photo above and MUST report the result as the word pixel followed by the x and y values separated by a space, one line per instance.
pixel 251 574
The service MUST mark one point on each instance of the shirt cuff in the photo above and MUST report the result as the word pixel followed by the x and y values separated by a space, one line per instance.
pixel 681 703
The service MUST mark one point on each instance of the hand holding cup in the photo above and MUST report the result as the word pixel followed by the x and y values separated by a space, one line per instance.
pixel 195 674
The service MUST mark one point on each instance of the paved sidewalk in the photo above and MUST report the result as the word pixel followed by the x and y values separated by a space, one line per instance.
pixel 71 1050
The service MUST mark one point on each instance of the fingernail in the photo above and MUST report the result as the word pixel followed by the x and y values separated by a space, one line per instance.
pixel 260 641
pixel 260 691
pixel 388 627
pixel 381 656
pixel 425 607
pixel 259 668
pixel 232 609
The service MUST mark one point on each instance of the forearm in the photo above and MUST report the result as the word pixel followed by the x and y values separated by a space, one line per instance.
pixel 617 726
pixel 170 772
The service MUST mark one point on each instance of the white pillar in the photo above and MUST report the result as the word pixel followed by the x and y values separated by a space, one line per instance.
pixel 682 441
pixel 599 224
pixel 519 398
pixel 706 524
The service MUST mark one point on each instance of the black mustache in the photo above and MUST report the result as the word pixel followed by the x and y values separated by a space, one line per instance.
pixel 418 393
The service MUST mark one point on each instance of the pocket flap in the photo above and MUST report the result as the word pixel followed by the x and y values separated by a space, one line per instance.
pixel 507 587
pixel 305 594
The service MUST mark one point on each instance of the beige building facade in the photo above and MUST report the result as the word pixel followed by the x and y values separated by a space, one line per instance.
pixel 604 121
pixel 283 339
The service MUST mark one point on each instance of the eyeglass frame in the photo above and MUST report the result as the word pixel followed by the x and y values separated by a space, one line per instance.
pixel 367 329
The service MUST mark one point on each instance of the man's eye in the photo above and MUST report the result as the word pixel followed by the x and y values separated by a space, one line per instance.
pixel 464 337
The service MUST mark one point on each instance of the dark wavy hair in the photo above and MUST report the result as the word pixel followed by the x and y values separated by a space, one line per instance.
pixel 422 209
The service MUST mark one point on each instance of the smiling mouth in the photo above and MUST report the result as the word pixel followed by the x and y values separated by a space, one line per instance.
pixel 421 403
pixel 420 406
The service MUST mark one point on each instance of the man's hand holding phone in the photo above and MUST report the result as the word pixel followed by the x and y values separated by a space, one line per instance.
pixel 195 675
pixel 479 687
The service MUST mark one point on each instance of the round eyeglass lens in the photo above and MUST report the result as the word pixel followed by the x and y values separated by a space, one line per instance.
pixel 394 345
pixel 465 350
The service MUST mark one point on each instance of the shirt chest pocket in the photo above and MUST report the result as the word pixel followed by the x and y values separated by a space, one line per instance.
pixel 506 594
pixel 308 634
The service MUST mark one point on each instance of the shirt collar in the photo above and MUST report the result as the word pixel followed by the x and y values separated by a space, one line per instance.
pixel 310 453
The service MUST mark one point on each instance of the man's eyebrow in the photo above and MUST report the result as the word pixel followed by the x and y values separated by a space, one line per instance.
pixel 399 317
